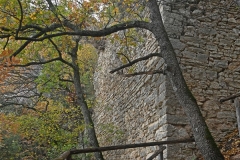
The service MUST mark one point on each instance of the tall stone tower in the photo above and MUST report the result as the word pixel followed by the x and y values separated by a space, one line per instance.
pixel 205 36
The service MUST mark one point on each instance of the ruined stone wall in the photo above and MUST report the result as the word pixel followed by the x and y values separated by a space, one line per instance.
pixel 131 107
pixel 208 47
pixel 205 35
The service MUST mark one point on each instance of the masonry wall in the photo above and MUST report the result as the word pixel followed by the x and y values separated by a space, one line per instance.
pixel 208 49
pixel 205 35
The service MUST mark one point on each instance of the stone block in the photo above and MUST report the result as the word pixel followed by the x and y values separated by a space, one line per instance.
pixel 195 40
pixel 232 20
pixel 163 120
pixel 226 114
pixel 207 31
pixel 211 75
pixel 152 127
pixel 211 105
pixel 237 42
pixel 233 66
pixel 177 119
pixel 226 42
pixel 236 157
pixel 224 127
pixel 234 84
pixel 196 50
pixel 188 54
pixel 182 133
pixel 215 85
pixel 202 58
pixel 166 109
pixel 198 73
pixel 160 135
pixel 236 31
pixel 177 44
pixel 212 47
pixel 197 12
pixel 221 63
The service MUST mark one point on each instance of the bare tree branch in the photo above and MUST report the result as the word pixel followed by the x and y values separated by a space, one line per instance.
pixel 4 47
pixel 31 26
pixel 65 80
pixel 135 61
pixel 37 63
pixel 99 33
pixel 60 54
pixel 125 56
pixel 229 97
pixel 21 18
pixel 39 34
pixel 5 36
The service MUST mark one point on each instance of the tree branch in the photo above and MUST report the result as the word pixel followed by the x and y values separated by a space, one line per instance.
pixel 4 47
pixel 229 97
pixel 135 61
pixel 5 36
pixel 39 34
pixel 32 26
pixel 99 33
pixel 37 63
pixel 21 18
pixel 60 54
pixel 65 80
pixel 125 56
pixel 25 44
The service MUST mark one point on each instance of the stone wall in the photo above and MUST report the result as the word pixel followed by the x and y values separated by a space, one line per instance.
pixel 205 35
pixel 209 57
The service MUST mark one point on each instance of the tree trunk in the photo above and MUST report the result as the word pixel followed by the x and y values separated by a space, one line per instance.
pixel 82 103
pixel 202 135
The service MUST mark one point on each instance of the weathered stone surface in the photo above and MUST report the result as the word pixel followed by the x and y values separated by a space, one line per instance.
pixel 196 50
pixel 237 42
pixel 211 75
pixel 202 58
pixel 194 41
pixel 211 104
pixel 189 54
pixel 152 127
pixel 176 119
pixel 236 157
pixel 207 31
pixel 177 44
pixel 226 114
pixel 221 63
pixel 212 47
pixel 232 20
pixel 182 133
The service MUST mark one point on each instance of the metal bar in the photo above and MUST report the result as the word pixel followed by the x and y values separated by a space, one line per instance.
pixel 126 146
pixel 99 149
pixel 158 152
pixel 161 154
